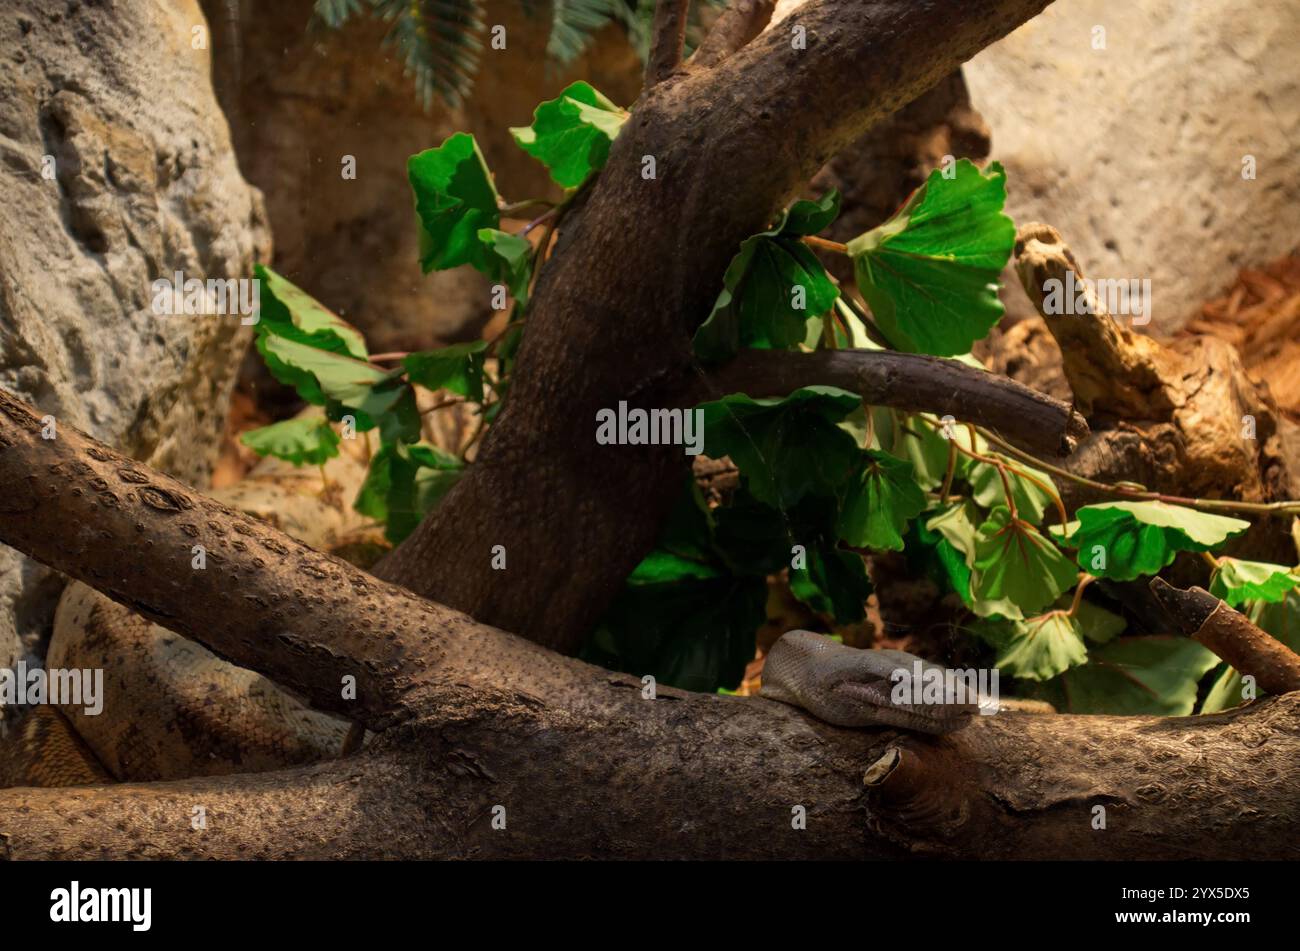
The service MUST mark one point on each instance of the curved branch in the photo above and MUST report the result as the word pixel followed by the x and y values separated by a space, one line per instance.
pixel 669 34
pixel 262 599
pixel 911 382
pixel 737 25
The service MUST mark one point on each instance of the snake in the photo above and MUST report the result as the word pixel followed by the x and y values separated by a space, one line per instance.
pixel 172 709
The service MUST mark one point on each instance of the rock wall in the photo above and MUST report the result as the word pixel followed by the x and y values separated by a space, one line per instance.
pixel 116 169
pixel 1134 151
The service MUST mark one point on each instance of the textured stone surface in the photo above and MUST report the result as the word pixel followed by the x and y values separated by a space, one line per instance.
pixel 1134 152
pixel 115 101
pixel 299 99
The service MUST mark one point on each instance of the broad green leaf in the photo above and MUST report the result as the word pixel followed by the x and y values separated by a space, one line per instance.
pixel 693 634
pixel 882 497
pixel 931 272
pixel 833 582
pixel 288 311
pixel 458 368
pixel 1097 624
pixel 1282 620
pixel 344 386
pixel 455 200
pixel 988 490
pixel 1237 581
pixel 511 261
pixel 955 530
pixel 300 441
pixel 404 484
pixel 771 288
pixel 1155 675
pixel 1016 571
pixel 685 548
pixel 571 134
pixel 925 446
pixel 1123 540
pixel 809 217
pixel 786 448
pixel 1036 648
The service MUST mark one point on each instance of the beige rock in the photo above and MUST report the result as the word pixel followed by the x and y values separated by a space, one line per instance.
pixel 1135 151
pixel 116 169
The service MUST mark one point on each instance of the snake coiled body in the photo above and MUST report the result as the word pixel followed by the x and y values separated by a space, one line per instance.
pixel 171 708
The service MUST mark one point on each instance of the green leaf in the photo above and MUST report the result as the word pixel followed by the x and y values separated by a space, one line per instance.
pixel 786 448
pixel 931 272
pixel 300 441
pixel 1016 571
pixel 288 311
pixel 458 368
pixel 809 217
pixel 1236 581
pixel 511 262
pixel 1123 540
pixel 404 484
pixel 771 288
pixel 987 488
pixel 1097 624
pixel 1282 620
pixel 951 564
pixel 455 200
pixel 697 635
pixel 345 386
pixel 571 134
pixel 910 437
pixel 1036 648
pixel 1155 675
pixel 832 582
pixel 882 497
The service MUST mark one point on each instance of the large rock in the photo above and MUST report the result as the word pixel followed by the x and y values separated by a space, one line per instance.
pixel 301 98
pixel 1134 152
pixel 116 169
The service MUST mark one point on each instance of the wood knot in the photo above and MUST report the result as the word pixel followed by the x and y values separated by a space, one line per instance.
pixel 164 500
pixel 134 476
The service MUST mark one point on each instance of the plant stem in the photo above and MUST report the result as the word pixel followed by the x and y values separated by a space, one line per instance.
pixel 1284 507
pixel 826 245
pixel 511 207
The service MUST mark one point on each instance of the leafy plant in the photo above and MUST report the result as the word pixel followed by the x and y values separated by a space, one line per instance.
pixel 824 479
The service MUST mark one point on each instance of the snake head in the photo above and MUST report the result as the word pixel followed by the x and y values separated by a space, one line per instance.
pixel 848 686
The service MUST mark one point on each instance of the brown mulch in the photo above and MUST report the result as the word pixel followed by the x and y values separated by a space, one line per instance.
pixel 1260 316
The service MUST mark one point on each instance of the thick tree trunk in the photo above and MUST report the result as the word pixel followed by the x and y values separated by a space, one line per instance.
pixel 637 268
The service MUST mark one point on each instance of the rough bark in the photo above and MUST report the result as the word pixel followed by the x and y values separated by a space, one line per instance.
pixel 584 764
pixel 910 382
pixel 636 268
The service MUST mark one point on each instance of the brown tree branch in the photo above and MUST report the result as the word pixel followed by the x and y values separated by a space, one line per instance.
pixel 737 25
pixel 669 34
pixel 134 534
pixel 910 382
pixel 1231 635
